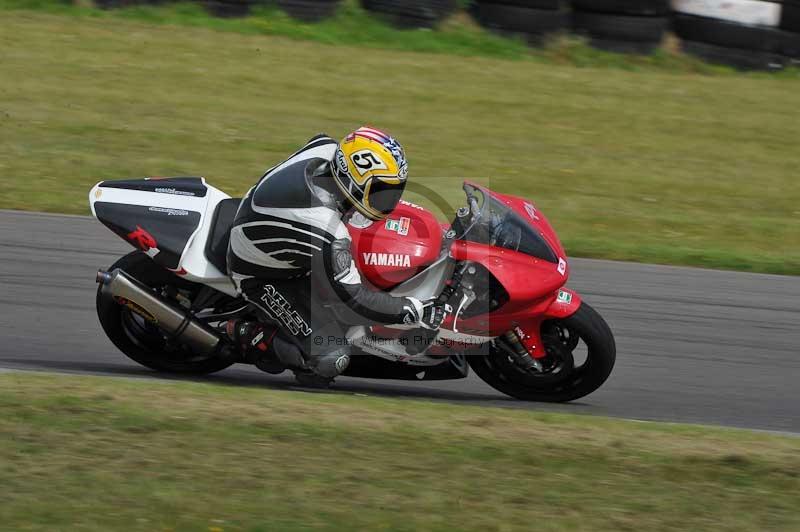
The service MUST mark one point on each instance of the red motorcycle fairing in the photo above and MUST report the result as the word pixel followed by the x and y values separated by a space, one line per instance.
pixel 535 294
pixel 533 285
pixel 391 251
pixel 526 279
pixel 563 305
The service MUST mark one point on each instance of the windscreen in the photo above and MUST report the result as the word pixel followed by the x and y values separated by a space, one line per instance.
pixel 498 225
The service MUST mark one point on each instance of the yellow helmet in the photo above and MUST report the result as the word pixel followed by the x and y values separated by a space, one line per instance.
pixel 371 170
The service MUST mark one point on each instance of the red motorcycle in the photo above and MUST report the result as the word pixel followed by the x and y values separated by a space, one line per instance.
pixel 499 267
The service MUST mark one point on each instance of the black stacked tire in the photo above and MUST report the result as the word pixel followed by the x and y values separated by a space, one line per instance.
pixel 638 8
pixel 309 10
pixel 227 8
pixel 532 19
pixel 745 36
pixel 411 13
pixel 113 4
pixel 790 16
pixel 631 26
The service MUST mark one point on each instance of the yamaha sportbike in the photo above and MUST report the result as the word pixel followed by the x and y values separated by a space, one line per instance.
pixel 499 267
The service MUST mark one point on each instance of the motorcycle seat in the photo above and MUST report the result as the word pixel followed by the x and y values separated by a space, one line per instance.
pixel 217 244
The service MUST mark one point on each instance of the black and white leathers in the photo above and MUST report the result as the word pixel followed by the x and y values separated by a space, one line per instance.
pixel 289 229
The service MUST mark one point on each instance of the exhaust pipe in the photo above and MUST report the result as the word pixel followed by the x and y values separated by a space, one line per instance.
pixel 170 318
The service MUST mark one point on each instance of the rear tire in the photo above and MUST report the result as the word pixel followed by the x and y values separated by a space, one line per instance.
pixel 141 341
pixel 580 381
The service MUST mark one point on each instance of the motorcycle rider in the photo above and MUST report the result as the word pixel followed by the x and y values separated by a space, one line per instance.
pixel 290 255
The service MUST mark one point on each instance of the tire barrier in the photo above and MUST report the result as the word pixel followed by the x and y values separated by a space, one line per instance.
pixel 533 19
pixel 309 10
pixel 227 8
pixel 636 8
pixel 305 10
pixel 114 4
pixel 408 14
pixel 630 26
pixel 790 16
pixel 747 34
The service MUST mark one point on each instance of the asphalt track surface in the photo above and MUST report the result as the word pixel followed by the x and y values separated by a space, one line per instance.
pixel 697 346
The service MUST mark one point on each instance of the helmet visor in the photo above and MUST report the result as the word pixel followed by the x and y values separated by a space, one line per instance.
pixel 383 197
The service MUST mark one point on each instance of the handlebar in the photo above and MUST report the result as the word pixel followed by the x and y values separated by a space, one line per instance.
pixel 473 210
pixel 427 336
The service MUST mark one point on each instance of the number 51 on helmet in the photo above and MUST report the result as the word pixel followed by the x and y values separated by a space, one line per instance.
pixel 371 170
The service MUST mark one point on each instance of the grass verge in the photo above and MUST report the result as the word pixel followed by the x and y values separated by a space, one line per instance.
pixel 665 166
pixel 89 453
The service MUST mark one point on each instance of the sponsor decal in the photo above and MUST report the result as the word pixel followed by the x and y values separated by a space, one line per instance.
pixel 135 307
pixel 400 226
pixel 366 161
pixel 164 190
pixel 562 266
pixel 394 148
pixel 98 193
pixel 412 205
pixel 342 362
pixel 402 172
pixel 564 297
pixel 257 339
pixel 282 310
pixel 359 221
pixel 341 162
pixel 142 239
pixel 169 212
pixel 387 259
pixel 531 210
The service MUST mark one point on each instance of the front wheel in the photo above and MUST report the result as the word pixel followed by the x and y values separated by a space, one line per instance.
pixel 143 341
pixel 563 377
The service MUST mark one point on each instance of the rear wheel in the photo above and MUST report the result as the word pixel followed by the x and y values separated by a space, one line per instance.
pixel 143 341
pixel 580 356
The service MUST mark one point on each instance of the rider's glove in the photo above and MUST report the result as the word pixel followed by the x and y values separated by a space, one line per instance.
pixel 433 315
pixel 428 315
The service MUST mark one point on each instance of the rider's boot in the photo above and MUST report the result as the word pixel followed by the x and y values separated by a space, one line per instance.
pixel 255 340
pixel 272 353
pixel 322 369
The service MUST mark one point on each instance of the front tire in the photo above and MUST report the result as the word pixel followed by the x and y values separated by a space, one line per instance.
pixel 142 341
pixel 574 382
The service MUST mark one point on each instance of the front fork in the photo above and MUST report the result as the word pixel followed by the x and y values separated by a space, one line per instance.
pixel 526 337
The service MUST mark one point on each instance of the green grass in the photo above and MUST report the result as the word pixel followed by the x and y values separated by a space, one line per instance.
pixel 102 454
pixel 636 159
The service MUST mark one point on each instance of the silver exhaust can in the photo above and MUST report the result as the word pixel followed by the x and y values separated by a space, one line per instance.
pixel 170 318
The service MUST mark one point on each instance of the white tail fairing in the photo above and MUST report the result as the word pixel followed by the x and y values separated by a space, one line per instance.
pixel 169 219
